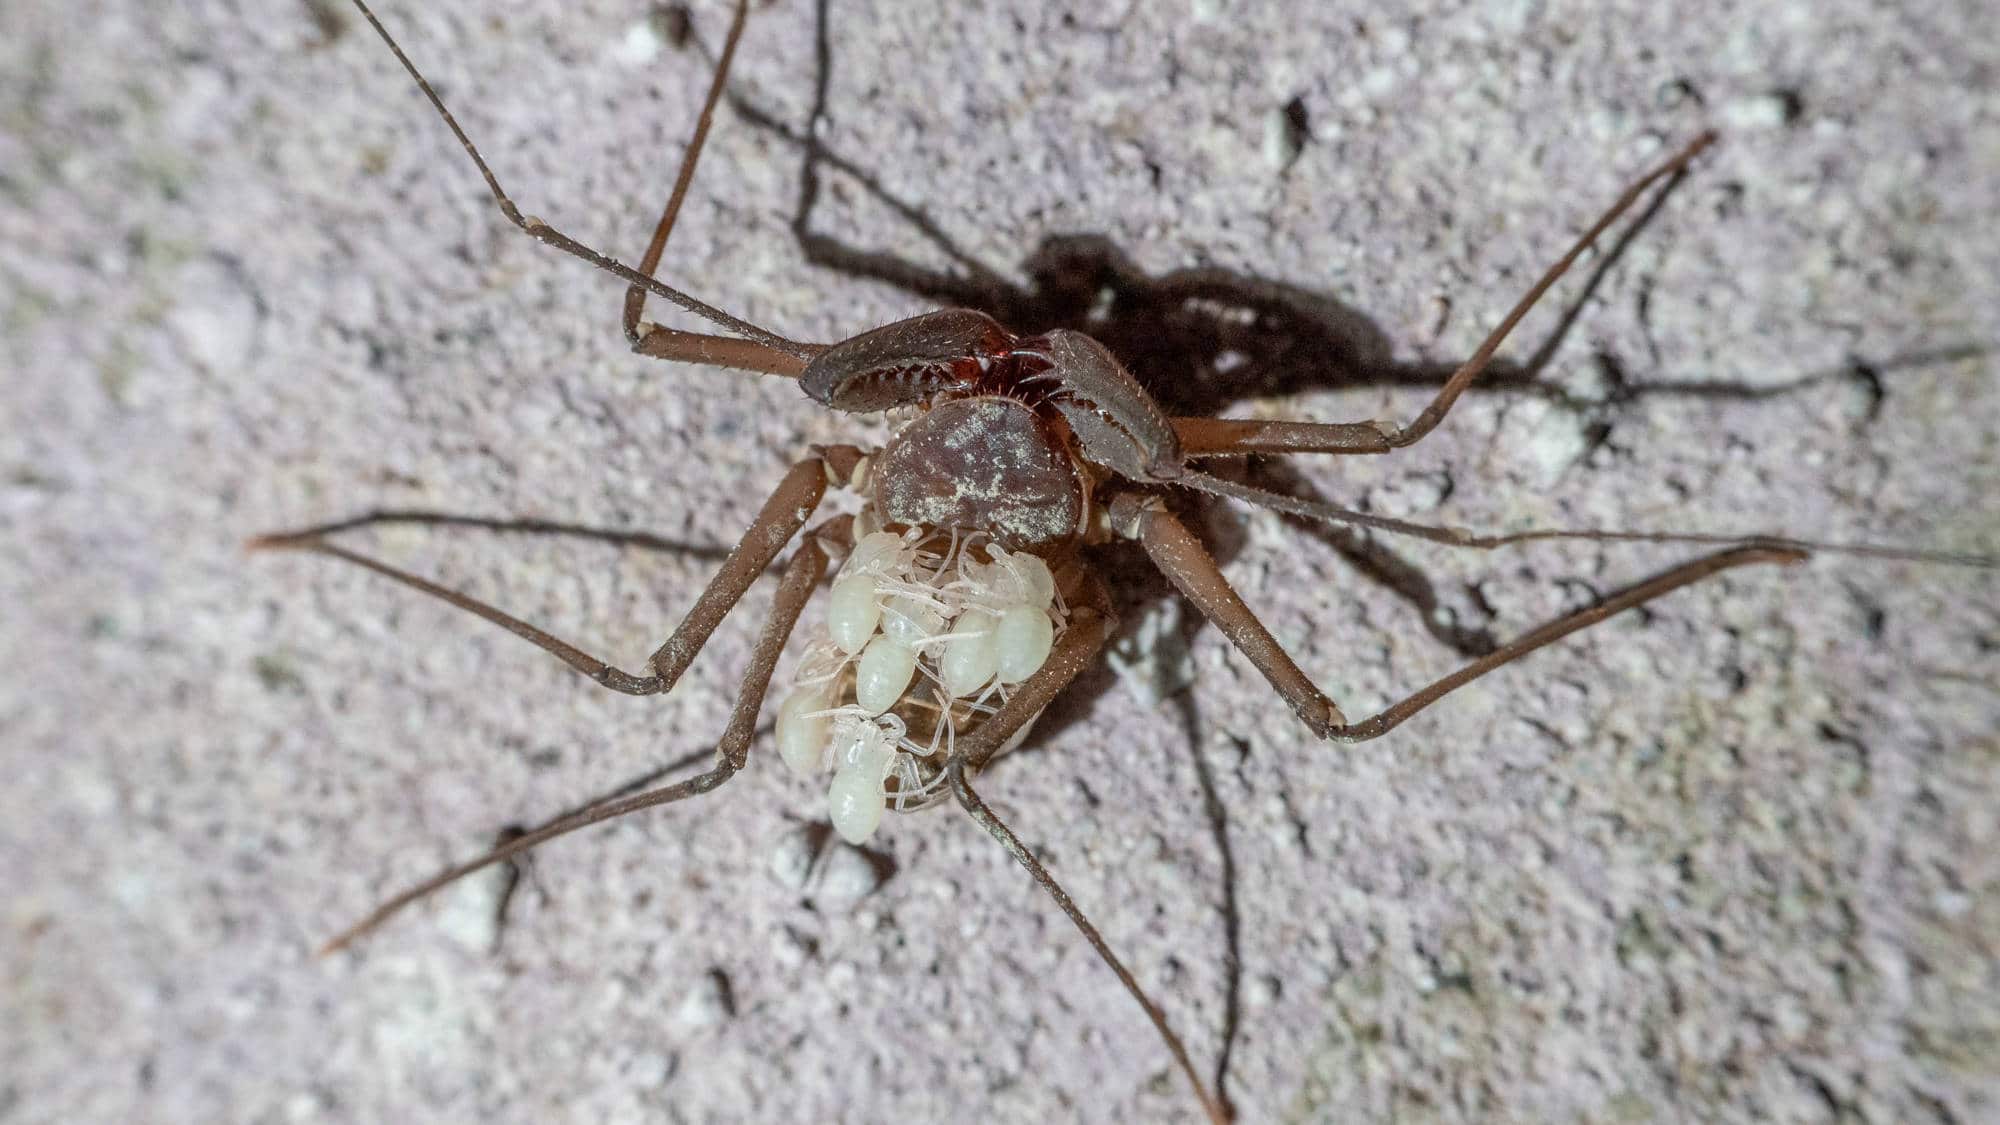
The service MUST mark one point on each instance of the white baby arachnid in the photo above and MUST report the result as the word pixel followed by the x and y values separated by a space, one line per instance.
pixel 852 612
pixel 921 630
pixel 854 804
pixel 1031 583
pixel 803 732
pixel 911 620
pixel 1022 642
pixel 881 552
pixel 865 751
pixel 973 654
pixel 883 674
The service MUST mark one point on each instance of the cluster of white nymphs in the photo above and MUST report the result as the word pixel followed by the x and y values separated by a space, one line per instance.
pixel 912 633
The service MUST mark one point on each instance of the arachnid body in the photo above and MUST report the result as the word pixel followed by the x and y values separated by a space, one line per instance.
pixel 967 599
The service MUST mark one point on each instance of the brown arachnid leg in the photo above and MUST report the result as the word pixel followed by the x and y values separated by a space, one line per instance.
pixel 783 514
pixel 761 350
pixel 1186 563
pixel 526 525
pixel 1212 437
pixel 657 340
pixel 732 751
pixel 1078 647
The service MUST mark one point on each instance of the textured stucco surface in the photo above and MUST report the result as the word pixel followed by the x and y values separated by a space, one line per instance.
pixel 1736 859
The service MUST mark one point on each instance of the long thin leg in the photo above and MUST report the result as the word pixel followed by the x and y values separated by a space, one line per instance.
pixel 1240 437
pixel 762 350
pixel 658 340
pixel 1205 437
pixel 802 574
pixel 1079 646
pixel 1181 557
pixel 1218 1110
pixel 425 517
pixel 1460 537
pixel 635 296
pixel 783 514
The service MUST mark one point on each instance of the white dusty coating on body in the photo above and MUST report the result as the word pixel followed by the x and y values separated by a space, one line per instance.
pixel 925 632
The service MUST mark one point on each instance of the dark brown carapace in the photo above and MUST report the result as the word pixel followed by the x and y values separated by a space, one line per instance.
pixel 1040 445
pixel 1018 432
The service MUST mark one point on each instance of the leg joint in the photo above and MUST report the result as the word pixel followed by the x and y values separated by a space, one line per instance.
pixel 617 679
pixel 1130 512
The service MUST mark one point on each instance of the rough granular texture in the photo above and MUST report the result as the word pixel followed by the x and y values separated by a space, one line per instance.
pixel 1731 858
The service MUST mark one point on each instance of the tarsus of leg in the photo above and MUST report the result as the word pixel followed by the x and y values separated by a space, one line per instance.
pixel 1461 537
pixel 662 342
pixel 635 296
pixel 1234 437
pixel 1077 648
pixel 1471 368
pixel 732 752
pixel 787 509
pixel 700 783
pixel 545 233
pixel 528 525
pixel 1217 1109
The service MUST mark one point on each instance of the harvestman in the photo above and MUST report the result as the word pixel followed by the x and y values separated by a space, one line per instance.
pixel 966 601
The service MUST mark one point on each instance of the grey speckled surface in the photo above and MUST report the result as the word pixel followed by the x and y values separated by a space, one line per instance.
pixel 1736 860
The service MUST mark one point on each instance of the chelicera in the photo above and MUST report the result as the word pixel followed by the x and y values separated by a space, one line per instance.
pixel 967 598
